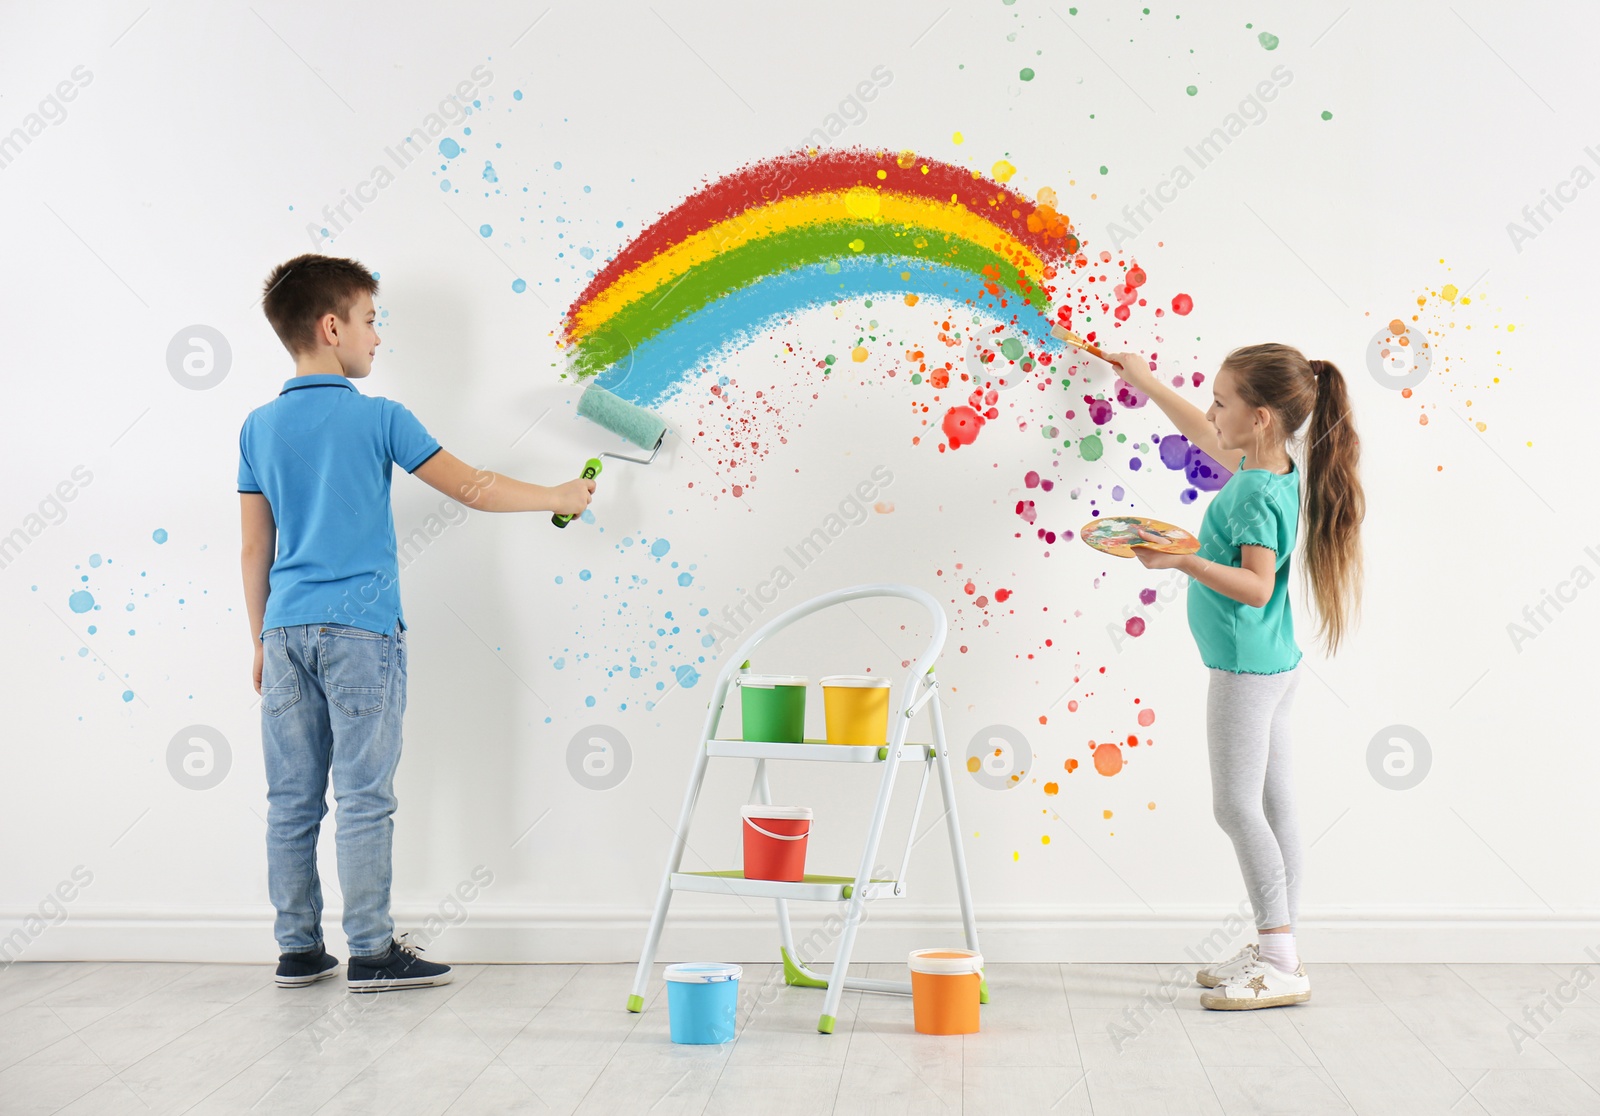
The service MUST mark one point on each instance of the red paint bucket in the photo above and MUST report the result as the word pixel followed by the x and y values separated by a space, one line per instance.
pixel 775 842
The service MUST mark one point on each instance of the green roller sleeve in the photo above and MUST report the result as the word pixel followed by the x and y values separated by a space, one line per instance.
pixel 617 415
pixel 591 469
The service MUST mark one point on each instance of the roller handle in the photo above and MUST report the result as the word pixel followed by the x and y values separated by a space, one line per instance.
pixel 591 469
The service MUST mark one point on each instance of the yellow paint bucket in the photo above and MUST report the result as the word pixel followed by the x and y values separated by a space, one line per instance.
pixel 856 708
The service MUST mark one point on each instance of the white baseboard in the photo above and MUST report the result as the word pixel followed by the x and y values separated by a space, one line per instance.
pixel 598 935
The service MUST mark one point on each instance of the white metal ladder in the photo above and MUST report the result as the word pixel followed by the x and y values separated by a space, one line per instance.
pixel 920 689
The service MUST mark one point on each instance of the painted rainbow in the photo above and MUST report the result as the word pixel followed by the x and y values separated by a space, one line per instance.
pixel 803 230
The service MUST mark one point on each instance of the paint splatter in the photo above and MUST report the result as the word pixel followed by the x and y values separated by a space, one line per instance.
pixel 1182 304
pixel 159 535
pixel 1107 759
pixel 1267 40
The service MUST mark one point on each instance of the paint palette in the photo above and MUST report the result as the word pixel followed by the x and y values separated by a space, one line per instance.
pixel 1119 534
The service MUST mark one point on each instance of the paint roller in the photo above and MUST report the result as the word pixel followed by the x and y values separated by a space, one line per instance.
pixel 639 426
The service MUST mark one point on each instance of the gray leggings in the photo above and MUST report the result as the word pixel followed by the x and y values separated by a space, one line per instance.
pixel 1252 792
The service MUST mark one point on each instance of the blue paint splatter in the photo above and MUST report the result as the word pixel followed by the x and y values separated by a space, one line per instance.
pixel 485 230
pixel 660 547
pixel 449 148
pixel 584 575
pixel 518 285
pixel 686 579
pixel 81 601
pixel 127 695
pixel 160 535
pixel 687 676
pixel 94 561
pixel 488 172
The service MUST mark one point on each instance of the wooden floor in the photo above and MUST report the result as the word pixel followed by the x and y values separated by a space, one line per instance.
pixel 1064 1039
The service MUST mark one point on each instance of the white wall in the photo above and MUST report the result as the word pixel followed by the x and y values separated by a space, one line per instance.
pixel 164 197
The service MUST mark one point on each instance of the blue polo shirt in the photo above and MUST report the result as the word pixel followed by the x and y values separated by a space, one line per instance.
pixel 321 454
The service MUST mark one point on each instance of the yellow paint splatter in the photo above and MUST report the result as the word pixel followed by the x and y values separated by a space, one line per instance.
pixel 1448 292
pixel 1047 196
pixel 957 137
pixel 1002 171
pixel 912 300
pixel 1152 806
pixel 1106 814
pixel 1045 840
pixel 858 354
pixel 882 175
pixel 1015 856
pixel 857 244
pixel 906 160
pixel 972 765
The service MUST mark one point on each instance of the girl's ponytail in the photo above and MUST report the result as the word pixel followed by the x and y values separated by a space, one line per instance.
pixel 1335 506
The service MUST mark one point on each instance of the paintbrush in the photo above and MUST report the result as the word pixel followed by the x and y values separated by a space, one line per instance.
pixel 1062 333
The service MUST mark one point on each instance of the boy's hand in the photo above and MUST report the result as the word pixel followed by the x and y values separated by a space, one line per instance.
pixel 256 673
pixel 572 497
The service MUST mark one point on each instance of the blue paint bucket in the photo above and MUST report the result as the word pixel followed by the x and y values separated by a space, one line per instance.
pixel 702 1002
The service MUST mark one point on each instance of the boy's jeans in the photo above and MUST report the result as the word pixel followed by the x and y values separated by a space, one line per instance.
pixel 332 698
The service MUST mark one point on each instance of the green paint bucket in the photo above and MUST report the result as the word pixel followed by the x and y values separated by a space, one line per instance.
pixel 773 707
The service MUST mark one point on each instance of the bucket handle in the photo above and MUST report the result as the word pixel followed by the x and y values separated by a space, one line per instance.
pixel 778 836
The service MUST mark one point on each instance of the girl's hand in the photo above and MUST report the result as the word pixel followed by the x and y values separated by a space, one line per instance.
pixel 1158 560
pixel 1135 369
pixel 256 672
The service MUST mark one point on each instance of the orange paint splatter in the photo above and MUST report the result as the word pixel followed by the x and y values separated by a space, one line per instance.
pixel 1051 788
pixel 1105 814
pixel 1071 765
pixel 1108 759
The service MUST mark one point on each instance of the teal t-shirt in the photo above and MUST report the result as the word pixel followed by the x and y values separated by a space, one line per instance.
pixel 1257 507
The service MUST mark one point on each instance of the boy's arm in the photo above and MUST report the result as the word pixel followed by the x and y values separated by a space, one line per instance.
pixel 259 547
pixel 484 490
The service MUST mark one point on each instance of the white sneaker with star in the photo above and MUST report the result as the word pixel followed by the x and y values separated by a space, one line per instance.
pixel 1258 985
pixel 1213 975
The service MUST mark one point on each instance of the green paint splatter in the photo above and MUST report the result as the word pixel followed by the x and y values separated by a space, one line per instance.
pixel 1103 170
pixel 1090 447
pixel 1268 40
pixel 1191 90
pixel 1012 348
pixel 1326 115
pixel 1026 74
pixel 829 359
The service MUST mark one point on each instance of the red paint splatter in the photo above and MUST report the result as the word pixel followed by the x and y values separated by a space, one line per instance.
pixel 1182 304
pixel 1135 626
pixel 1147 717
pixel 961 426
pixel 1002 595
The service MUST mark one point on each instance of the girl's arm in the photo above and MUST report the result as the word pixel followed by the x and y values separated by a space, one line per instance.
pixel 1250 583
pixel 1189 419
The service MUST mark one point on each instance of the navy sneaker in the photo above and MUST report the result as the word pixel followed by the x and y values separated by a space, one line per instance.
pixel 296 969
pixel 399 968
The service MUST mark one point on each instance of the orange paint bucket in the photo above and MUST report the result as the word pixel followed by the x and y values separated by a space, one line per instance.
pixel 944 991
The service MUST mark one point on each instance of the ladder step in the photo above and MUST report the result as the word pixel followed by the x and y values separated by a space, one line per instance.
pixel 814 750
pixel 812 887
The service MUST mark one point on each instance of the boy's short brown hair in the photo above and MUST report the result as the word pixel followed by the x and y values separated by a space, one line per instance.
pixel 298 293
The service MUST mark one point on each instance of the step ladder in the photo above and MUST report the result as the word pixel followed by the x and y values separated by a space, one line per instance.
pixel 920 690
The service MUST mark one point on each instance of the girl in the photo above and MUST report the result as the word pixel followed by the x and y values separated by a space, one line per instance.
pixel 1239 614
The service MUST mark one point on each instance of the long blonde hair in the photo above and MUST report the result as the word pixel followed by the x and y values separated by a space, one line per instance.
pixel 1281 379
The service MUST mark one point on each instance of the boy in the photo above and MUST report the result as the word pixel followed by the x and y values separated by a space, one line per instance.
pixel 321 586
